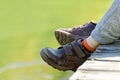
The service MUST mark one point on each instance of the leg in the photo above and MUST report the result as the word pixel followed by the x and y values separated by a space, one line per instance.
pixel 108 29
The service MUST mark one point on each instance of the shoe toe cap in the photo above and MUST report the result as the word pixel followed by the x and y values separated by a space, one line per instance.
pixel 49 54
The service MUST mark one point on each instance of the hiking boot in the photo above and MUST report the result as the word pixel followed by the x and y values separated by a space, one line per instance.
pixel 65 36
pixel 67 57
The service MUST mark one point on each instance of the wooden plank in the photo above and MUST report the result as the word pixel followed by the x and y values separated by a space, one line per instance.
pixel 93 75
pixel 97 70
pixel 101 66
pixel 104 64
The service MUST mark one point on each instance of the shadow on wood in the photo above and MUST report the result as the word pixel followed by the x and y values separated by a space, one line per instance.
pixel 104 64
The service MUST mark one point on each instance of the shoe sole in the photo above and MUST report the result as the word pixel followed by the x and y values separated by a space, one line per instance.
pixel 44 54
pixel 64 37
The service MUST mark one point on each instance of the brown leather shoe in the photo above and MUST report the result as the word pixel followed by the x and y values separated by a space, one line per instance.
pixel 65 36
pixel 67 57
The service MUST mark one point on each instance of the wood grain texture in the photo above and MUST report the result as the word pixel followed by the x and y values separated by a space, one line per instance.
pixel 104 64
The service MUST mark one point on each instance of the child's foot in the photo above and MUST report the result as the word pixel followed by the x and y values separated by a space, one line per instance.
pixel 67 57
pixel 65 36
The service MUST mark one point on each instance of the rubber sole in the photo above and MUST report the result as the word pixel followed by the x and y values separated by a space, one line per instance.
pixel 64 37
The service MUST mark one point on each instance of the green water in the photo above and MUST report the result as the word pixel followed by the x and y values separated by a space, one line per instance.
pixel 27 26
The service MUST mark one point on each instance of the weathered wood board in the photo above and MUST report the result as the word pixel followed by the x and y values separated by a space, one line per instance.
pixel 104 64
